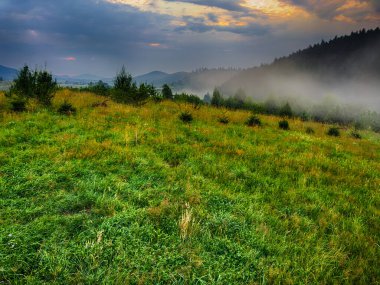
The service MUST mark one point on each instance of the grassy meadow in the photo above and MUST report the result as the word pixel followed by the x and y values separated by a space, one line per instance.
pixel 132 195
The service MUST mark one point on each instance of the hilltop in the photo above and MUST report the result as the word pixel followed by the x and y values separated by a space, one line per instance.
pixel 334 66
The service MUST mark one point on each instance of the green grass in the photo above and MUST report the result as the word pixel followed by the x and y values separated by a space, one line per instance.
pixel 125 195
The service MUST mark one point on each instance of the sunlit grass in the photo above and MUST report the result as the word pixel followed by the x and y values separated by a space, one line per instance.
pixel 123 195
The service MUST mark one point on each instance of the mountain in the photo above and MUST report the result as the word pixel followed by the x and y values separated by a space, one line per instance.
pixel 199 81
pixel 7 73
pixel 154 77
pixel 346 66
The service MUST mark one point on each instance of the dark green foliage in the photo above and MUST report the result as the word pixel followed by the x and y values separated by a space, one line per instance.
pixel 284 125
pixel 100 88
pixel 253 121
pixel 310 130
pixel 125 91
pixel 38 84
pixel 23 85
pixel 224 120
pixel 286 111
pixel 144 92
pixel 66 109
pixel 305 117
pixel 233 103
pixel 356 135
pixel 18 105
pixel 217 99
pixel 186 117
pixel 270 107
pixel 194 100
pixel 45 87
pixel 123 80
pixel 334 132
pixel 167 92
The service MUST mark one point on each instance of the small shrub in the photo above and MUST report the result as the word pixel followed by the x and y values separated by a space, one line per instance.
pixel 224 120
pixel 18 105
pixel 253 121
pixel 284 125
pixel 67 109
pixel 356 135
pixel 186 117
pixel 310 130
pixel 334 132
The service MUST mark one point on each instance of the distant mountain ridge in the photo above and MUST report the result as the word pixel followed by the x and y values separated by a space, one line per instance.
pixel 7 73
pixel 201 80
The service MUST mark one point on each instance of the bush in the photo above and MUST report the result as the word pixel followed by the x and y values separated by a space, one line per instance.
pixel 18 105
pixel 67 109
pixel 44 88
pixel 356 135
pixel 100 88
pixel 224 120
pixel 253 121
pixel 334 132
pixel 186 117
pixel 37 84
pixel 194 100
pixel 310 130
pixel 284 125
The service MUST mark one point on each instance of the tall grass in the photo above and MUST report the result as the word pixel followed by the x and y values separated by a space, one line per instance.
pixel 99 198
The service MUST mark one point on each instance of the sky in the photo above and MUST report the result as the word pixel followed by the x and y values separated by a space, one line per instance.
pixel 74 37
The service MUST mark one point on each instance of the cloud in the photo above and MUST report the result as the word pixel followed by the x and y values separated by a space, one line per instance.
pixel 166 34
pixel 376 5
pixel 347 10
pixel 36 31
pixel 198 25
pixel 229 5
pixel 70 58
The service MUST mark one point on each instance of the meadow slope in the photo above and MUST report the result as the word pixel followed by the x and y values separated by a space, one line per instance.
pixel 126 195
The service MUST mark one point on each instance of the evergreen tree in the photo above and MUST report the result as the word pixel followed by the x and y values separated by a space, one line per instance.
pixel 217 99
pixel 167 92
pixel 286 111
pixel 44 87
pixel 207 98
pixel 23 85
pixel 124 89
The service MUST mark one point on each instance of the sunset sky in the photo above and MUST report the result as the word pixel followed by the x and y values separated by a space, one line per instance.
pixel 99 36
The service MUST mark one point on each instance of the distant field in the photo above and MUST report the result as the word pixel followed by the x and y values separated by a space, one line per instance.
pixel 125 195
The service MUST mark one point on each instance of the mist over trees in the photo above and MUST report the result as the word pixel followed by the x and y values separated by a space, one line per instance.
pixel 347 68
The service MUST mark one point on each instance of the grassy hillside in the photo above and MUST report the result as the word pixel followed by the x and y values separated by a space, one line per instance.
pixel 125 195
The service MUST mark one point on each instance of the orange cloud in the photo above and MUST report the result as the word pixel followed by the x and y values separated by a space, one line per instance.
pixel 70 58
pixel 154 44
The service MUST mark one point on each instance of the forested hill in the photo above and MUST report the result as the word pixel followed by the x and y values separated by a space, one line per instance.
pixel 354 56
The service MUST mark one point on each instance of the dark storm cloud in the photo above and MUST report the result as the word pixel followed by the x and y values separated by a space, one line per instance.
pixel 199 25
pixel 229 5
pixel 376 5
pixel 43 28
